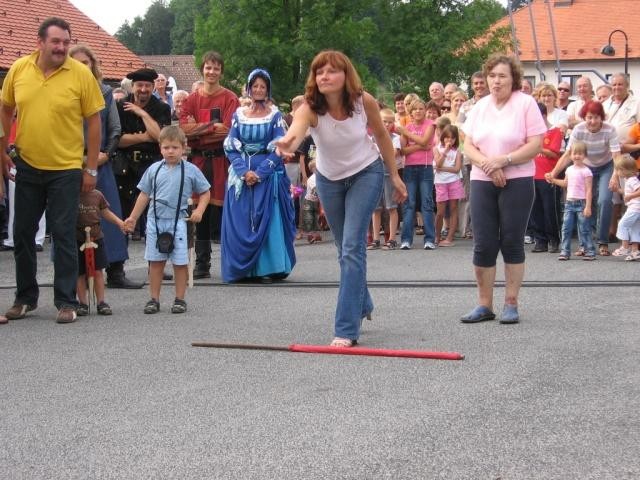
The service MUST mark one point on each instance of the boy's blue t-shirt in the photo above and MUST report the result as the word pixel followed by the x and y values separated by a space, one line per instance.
pixel 168 187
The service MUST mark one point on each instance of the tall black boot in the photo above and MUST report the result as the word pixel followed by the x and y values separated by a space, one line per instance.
pixel 203 259
pixel 117 279
pixel 216 223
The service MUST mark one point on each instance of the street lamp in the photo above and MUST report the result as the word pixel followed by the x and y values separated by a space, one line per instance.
pixel 610 51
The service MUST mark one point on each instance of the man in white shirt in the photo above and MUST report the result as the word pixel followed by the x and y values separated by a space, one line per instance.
pixel 585 93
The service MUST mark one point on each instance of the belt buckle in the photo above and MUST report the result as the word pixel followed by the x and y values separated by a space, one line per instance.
pixel 136 156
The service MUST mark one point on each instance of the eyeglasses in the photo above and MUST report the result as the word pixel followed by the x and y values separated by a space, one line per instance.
pixel 563 89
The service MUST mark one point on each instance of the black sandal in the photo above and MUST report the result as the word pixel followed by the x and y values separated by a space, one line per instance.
pixel 179 306
pixel 104 309
pixel 152 306
pixel 82 310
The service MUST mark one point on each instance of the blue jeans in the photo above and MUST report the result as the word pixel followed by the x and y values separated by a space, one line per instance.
pixel 419 182
pixel 573 211
pixel 600 220
pixel 348 205
pixel 58 192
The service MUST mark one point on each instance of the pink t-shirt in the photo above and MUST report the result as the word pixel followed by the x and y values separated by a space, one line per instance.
pixel 499 132
pixel 421 157
pixel 576 182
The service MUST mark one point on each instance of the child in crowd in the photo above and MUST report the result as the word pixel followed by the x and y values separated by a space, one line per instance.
pixel 629 225
pixel 91 207
pixel 440 123
pixel 579 184
pixel 449 189
pixel 311 208
pixel 401 115
pixel 432 111
pixel 408 100
pixel 386 201
pixel 169 182
pixel 416 141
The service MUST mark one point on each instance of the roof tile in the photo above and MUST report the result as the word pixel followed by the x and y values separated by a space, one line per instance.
pixel 19 22
pixel 582 27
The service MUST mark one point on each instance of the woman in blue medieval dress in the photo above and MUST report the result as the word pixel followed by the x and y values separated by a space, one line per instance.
pixel 258 226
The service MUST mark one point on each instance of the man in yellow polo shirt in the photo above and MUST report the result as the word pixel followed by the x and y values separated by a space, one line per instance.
pixel 53 94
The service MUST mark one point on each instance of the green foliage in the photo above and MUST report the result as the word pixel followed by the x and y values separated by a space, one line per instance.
pixel 149 36
pixel 185 13
pixel 396 45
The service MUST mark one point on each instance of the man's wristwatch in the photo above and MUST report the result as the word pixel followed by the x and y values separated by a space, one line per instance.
pixel 91 171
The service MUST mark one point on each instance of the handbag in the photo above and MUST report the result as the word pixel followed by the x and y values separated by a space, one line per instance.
pixel 165 240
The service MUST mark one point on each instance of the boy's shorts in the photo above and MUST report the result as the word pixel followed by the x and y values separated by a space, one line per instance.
pixel 449 191
pixel 386 200
pixel 180 254
pixel 99 255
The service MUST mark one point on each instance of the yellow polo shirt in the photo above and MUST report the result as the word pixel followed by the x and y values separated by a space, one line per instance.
pixel 51 111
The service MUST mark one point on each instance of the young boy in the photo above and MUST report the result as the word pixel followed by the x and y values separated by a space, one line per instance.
pixel 170 182
pixel 386 201
pixel 579 184
pixel 91 207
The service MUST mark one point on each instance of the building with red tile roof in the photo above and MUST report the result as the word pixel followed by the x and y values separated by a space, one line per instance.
pixel 181 67
pixel 19 22
pixel 581 28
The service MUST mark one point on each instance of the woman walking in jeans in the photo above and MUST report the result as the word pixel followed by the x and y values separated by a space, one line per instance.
pixel 349 174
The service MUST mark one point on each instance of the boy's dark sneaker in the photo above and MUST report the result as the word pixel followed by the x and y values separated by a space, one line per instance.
pixel 179 306
pixel 152 306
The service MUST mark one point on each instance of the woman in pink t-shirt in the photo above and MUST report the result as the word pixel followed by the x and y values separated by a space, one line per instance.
pixel 416 141
pixel 503 134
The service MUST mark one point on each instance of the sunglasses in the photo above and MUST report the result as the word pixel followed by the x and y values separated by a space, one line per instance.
pixel 563 90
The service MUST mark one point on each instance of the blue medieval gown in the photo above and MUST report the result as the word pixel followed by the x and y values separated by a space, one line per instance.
pixel 258 222
pixel 115 242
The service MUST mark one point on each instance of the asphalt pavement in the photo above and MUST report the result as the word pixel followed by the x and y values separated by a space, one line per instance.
pixel 128 397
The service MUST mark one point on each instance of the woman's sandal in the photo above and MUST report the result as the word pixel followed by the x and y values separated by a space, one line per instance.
pixel 579 252
pixel 603 250
pixel 633 257
pixel 342 342
pixel 621 252
pixel 3 320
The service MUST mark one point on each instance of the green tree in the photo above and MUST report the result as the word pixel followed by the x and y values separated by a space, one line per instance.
pixel 185 13
pixel 284 36
pixel 129 34
pixel 149 35
pixel 429 40
pixel 394 44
